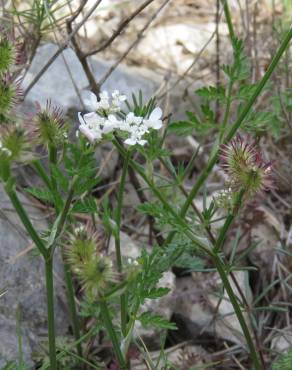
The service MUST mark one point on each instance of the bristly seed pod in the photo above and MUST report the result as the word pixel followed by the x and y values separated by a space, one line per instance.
pixel 8 53
pixel 48 125
pixel 14 146
pixel 92 268
pixel 10 93
pixel 245 167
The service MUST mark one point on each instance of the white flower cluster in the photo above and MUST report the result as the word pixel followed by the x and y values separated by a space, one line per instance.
pixel 102 120
pixel 105 105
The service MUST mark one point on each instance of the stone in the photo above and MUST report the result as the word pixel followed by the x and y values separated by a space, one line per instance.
pixel 181 357
pixel 22 274
pixel 196 301
pixel 174 46
pixel 282 341
pixel 266 233
pixel 56 83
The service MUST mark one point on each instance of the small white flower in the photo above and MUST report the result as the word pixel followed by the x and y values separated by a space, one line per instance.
pixel 91 103
pixel 90 126
pixel 136 136
pixel 92 135
pixel 110 124
pixel 131 119
pixel 118 97
pixel 154 121
pixel 104 102
pixel 91 119
pixel 133 140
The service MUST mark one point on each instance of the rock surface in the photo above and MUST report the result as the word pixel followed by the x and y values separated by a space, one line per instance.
pixel 23 276
pixel 196 306
pixel 57 83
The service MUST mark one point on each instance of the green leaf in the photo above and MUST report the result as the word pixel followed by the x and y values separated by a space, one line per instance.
pixel 87 205
pixel 148 319
pixel 181 128
pixel 60 178
pixel 41 194
pixel 212 93
pixel 157 293
pixel 53 233
pixel 240 69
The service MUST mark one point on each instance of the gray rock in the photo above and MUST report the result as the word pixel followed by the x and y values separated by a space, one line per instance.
pixel 56 83
pixel 197 301
pixel 23 276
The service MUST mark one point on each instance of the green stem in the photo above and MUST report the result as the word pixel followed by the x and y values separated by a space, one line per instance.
pixel 228 19
pixel 223 232
pixel 72 305
pixel 204 247
pixel 215 257
pixel 227 109
pixel 67 272
pixel 112 334
pixel 50 307
pixel 123 298
pixel 53 161
pixel 205 173
pixel 119 211
pixel 53 186
pixel 233 299
pixel 26 221
pixel 42 173
pixel 260 86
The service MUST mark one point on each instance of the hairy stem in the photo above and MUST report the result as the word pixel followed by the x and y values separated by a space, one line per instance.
pixel 26 221
pixel 215 257
pixel 229 219
pixel 67 272
pixel 72 306
pixel 228 19
pixel 51 316
pixel 118 241
pixel 233 299
pixel 112 334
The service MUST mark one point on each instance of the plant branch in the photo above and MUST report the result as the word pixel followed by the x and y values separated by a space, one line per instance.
pixel 118 240
pixel 112 334
pixel 213 159
pixel 119 30
pixel 50 308
pixel 62 47
pixel 26 221
pixel 139 36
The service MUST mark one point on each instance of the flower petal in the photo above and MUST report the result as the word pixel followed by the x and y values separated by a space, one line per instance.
pixel 81 120
pixel 156 114
pixel 130 141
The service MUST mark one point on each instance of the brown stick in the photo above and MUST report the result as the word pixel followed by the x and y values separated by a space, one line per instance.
pixel 90 77
pixel 62 47
pixel 140 34
pixel 119 30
